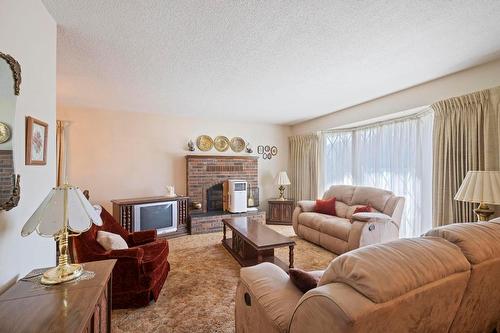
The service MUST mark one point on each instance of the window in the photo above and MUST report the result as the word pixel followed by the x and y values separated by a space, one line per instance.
pixel 394 155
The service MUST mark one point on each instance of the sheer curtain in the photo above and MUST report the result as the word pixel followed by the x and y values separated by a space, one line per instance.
pixel 395 155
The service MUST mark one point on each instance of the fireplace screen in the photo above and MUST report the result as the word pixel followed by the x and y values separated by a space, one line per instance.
pixel 215 198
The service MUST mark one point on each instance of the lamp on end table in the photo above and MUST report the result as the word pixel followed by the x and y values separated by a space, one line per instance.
pixel 64 209
pixel 282 180
pixel 481 187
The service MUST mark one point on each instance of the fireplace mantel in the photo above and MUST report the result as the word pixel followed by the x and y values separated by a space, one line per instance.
pixel 222 157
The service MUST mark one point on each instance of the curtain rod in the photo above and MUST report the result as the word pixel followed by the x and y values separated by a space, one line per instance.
pixel 416 115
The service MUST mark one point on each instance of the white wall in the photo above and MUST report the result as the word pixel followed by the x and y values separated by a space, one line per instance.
pixel 28 33
pixel 469 80
pixel 131 154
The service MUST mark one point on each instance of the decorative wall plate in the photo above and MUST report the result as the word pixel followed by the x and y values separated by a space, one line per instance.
pixel 274 150
pixel 221 143
pixel 204 143
pixel 4 133
pixel 237 144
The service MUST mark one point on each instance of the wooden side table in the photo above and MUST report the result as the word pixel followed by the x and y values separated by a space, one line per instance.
pixel 74 306
pixel 280 211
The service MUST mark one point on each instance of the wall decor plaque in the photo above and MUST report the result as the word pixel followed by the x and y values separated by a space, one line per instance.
pixel 36 141
pixel 204 143
pixel 274 150
pixel 237 144
pixel 221 143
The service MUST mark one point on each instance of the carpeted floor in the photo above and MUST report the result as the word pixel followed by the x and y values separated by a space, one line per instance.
pixel 198 295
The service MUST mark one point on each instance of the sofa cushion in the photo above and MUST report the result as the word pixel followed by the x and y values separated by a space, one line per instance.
pixel 336 227
pixel 341 208
pixel 326 206
pixel 377 198
pixel 352 209
pixel 303 280
pixel 363 209
pixel 343 193
pixel 479 241
pixel 383 272
pixel 312 220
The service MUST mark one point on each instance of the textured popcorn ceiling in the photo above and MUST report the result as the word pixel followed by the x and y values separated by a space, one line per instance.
pixel 265 61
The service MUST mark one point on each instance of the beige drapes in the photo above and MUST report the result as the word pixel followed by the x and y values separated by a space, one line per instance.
pixel 466 137
pixel 304 166
pixel 61 151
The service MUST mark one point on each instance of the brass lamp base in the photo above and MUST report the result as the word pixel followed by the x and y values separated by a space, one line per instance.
pixel 62 273
pixel 483 212
pixel 282 192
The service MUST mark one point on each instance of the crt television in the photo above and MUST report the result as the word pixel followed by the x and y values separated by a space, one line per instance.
pixel 161 216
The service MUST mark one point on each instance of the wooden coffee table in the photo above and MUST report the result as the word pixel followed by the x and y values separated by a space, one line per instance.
pixel 253 242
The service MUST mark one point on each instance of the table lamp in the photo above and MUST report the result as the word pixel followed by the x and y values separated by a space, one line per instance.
pixel 481 187
pixel 64 209
pixel 282 180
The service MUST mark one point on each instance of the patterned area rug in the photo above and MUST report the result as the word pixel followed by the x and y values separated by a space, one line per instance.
pixel 198 295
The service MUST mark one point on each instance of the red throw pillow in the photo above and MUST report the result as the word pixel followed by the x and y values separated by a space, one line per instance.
pixel 363 209
pixel 303 280
pixel 326 206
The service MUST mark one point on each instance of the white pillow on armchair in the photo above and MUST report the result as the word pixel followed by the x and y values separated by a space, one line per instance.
pixel 110 241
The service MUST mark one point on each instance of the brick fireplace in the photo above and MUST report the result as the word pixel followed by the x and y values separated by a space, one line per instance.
pixel 6 172
pixel 205 175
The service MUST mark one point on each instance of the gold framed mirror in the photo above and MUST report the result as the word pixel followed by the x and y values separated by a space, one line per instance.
pixel 10 82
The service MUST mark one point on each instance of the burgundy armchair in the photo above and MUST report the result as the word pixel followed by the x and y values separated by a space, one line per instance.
pixel 140 270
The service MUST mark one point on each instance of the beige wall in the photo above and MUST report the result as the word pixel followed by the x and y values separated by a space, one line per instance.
pixel 130 154
pixel 472 79
pixel 28 33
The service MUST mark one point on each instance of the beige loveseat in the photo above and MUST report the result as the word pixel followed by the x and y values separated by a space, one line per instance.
pixel 346 231
pixel 445 283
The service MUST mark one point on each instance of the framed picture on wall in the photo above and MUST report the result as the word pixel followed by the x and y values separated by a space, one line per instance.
pixel 36 141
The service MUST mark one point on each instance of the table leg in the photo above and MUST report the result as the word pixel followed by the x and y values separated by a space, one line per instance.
pixel 224 232
pixel 290 256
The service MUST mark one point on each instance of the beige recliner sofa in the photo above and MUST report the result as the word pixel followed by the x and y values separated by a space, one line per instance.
pixel 446 283
pixel 346 231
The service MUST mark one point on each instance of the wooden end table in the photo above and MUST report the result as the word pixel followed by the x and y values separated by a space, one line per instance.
pixel 280 211
pixel 253 243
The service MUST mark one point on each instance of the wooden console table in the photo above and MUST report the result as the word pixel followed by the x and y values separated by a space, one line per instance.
pixel 75 306
pixel 253 243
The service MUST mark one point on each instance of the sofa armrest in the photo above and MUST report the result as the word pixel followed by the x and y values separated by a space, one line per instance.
pixel 270 289
pixel 365 217
pixel 307 205
pixel 135 253
pixel 142 237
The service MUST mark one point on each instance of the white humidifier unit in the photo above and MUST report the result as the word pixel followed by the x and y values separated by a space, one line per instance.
pixel 237 196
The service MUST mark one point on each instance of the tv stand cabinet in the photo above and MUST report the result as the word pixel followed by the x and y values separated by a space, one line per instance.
pixel 123 212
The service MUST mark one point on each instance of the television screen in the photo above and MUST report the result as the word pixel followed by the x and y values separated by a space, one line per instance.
pixel 159 216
